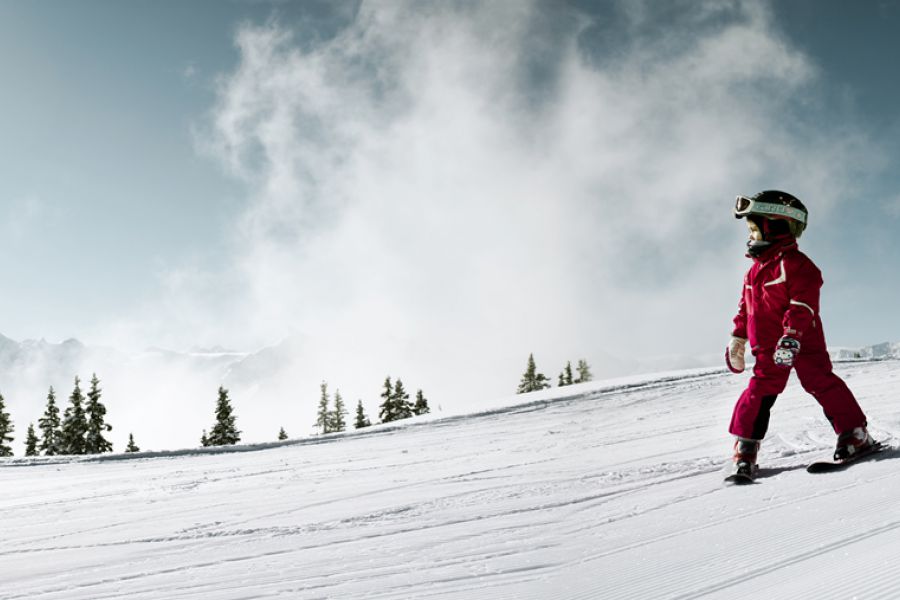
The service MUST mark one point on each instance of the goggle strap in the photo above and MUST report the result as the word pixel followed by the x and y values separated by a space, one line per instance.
pixel 745 206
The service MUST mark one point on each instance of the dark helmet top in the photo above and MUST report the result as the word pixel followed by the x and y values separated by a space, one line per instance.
pixel 774 205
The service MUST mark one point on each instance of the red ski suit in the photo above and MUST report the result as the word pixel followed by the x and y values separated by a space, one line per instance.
pixel 781 298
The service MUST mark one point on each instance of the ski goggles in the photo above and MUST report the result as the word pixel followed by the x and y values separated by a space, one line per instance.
pixel 744 206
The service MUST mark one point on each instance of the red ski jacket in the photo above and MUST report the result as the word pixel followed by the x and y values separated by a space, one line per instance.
pixel 781 297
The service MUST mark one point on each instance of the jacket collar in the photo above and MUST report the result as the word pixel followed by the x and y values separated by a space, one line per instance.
pixel 777 248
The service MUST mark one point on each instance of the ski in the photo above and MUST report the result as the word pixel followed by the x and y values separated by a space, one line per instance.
pixel 829 466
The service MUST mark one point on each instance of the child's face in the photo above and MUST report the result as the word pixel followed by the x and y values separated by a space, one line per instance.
pixel 755 234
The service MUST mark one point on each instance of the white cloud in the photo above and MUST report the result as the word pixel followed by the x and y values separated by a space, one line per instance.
pixel 418 208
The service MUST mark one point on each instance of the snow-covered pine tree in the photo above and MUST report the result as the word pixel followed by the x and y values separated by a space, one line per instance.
pixel 31 441
pixel 282 435
pixel 568 373
pixel 94 441
pixel 561 382
pixel 132 447
pixel 532 381
pixel 224 432
pixel 323 416
pixel 204 439
pixel 51 427
pixel 74 425
pixel 388 411
pixel 361 419
pixel 6 429
pixel 339 414
pixel 584 372
pixel 403 406
pixel 421 406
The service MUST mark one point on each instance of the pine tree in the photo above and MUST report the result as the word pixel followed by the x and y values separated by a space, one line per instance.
pixel 51 427
pixel 6 428
pixel 584 372
pixel 204 439
pixel 402 404
pixel 95 443
pixel 74 425
pixel 388 408
pixel 568 373
pixel 132 447
pixel 31 441
pixel 282 435
pixel 532 381
pixel 338 415
pixel 323 418
pixel 561 382
pixel 361 419
pixel 421 406
pixel 224 432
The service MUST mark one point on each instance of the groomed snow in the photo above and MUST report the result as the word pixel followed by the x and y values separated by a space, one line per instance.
pixel 600 491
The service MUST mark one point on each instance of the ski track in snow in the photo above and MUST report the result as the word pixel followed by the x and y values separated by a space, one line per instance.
pixel 606 491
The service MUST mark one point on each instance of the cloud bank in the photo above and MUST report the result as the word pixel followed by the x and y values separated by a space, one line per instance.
pixel 440 189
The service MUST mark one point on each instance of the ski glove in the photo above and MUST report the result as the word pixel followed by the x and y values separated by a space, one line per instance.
pixel 786 351
pixel 734 354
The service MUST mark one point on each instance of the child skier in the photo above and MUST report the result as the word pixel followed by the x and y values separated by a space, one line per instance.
pixel 779 315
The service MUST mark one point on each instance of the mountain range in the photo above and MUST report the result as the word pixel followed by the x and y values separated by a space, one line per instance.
pixel 156 390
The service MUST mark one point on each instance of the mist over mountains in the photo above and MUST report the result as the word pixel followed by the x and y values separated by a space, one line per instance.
pixel 166 397
pixel 884 350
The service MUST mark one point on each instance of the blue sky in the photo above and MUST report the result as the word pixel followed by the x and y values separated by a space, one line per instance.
pixel 535 176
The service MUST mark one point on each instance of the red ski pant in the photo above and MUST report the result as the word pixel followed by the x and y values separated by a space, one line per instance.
pixel 750 419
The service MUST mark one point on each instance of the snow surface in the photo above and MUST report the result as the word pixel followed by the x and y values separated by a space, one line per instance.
pixel 598 491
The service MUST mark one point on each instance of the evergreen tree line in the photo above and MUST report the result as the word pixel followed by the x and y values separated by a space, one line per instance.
pixel 331 416
pixel 533 380
pixel 80 430
pixel 332 419
pixel 395 405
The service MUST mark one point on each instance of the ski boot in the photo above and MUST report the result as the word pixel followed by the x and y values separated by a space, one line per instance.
pixel 744 468
pixel 851 444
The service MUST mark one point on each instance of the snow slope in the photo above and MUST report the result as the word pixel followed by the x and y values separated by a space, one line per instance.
pixel 597 491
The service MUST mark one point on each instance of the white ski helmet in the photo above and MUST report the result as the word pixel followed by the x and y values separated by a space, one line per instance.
pixel 774 205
